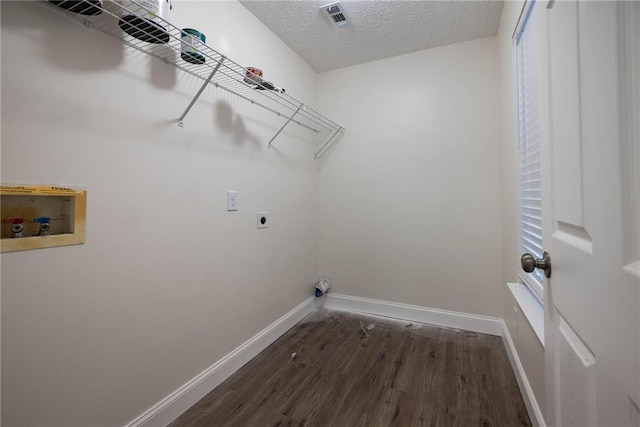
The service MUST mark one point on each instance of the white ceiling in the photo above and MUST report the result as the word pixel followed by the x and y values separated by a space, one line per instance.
pixel 380 29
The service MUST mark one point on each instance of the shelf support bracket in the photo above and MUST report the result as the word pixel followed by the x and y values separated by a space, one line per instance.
pixel 285 125
pixel 325 147
pixel 195 98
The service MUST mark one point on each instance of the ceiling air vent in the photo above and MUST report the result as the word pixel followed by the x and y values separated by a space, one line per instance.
pixel 335 11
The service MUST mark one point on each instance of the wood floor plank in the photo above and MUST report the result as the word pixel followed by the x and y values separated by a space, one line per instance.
pixel 340 369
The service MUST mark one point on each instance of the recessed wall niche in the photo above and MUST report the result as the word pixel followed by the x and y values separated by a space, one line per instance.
pixel 41 216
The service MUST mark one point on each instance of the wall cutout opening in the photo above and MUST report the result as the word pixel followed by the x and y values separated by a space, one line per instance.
pixel 41 216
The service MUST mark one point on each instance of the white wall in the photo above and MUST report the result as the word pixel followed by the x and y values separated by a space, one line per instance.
pixel 528 347
pixel 168 282
pixel 410 199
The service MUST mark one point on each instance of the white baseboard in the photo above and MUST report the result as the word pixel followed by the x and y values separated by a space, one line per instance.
pixel 535 414
pixel 172 406
pixel 414 313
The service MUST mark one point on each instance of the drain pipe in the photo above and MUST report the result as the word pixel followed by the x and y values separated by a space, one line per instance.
pixel 322 287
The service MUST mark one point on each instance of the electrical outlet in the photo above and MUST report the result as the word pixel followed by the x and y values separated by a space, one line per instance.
pixel 232 201
pixel 263 219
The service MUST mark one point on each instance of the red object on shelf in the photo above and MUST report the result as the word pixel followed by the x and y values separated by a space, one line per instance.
pixel 13 220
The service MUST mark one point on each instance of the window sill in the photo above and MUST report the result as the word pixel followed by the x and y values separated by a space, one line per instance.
pixel 530 306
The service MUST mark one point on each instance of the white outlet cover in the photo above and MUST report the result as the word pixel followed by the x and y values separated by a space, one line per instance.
pixel 263 220
pixel 232 201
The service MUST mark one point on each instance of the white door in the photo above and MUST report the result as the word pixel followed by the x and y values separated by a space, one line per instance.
pixel 591 207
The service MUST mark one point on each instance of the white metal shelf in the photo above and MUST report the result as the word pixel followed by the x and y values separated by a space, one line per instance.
pixel 218 70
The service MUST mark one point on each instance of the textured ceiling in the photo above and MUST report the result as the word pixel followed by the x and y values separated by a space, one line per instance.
pixel 379 29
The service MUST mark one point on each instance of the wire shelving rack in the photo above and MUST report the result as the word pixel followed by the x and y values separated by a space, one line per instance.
pixel 163 40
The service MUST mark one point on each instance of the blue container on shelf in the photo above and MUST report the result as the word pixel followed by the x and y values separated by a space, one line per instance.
pixel 192 44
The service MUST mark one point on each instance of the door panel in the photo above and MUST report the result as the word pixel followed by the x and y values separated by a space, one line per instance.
pixel 567 157
pixel 590 225
pixel 576 382
pixel 630 91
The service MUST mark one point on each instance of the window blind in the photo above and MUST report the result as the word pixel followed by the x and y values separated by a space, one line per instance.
pixel 530 189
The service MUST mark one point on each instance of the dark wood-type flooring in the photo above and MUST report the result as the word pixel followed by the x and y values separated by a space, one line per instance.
pixel 340 369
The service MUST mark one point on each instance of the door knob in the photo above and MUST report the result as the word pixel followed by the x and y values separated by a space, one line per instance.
pixel 529 263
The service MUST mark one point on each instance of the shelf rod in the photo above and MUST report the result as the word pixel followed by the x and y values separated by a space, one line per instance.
pixel 285 125
pixel 195 98
pixel 329 137
pixel 334 142
pixel 326 145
